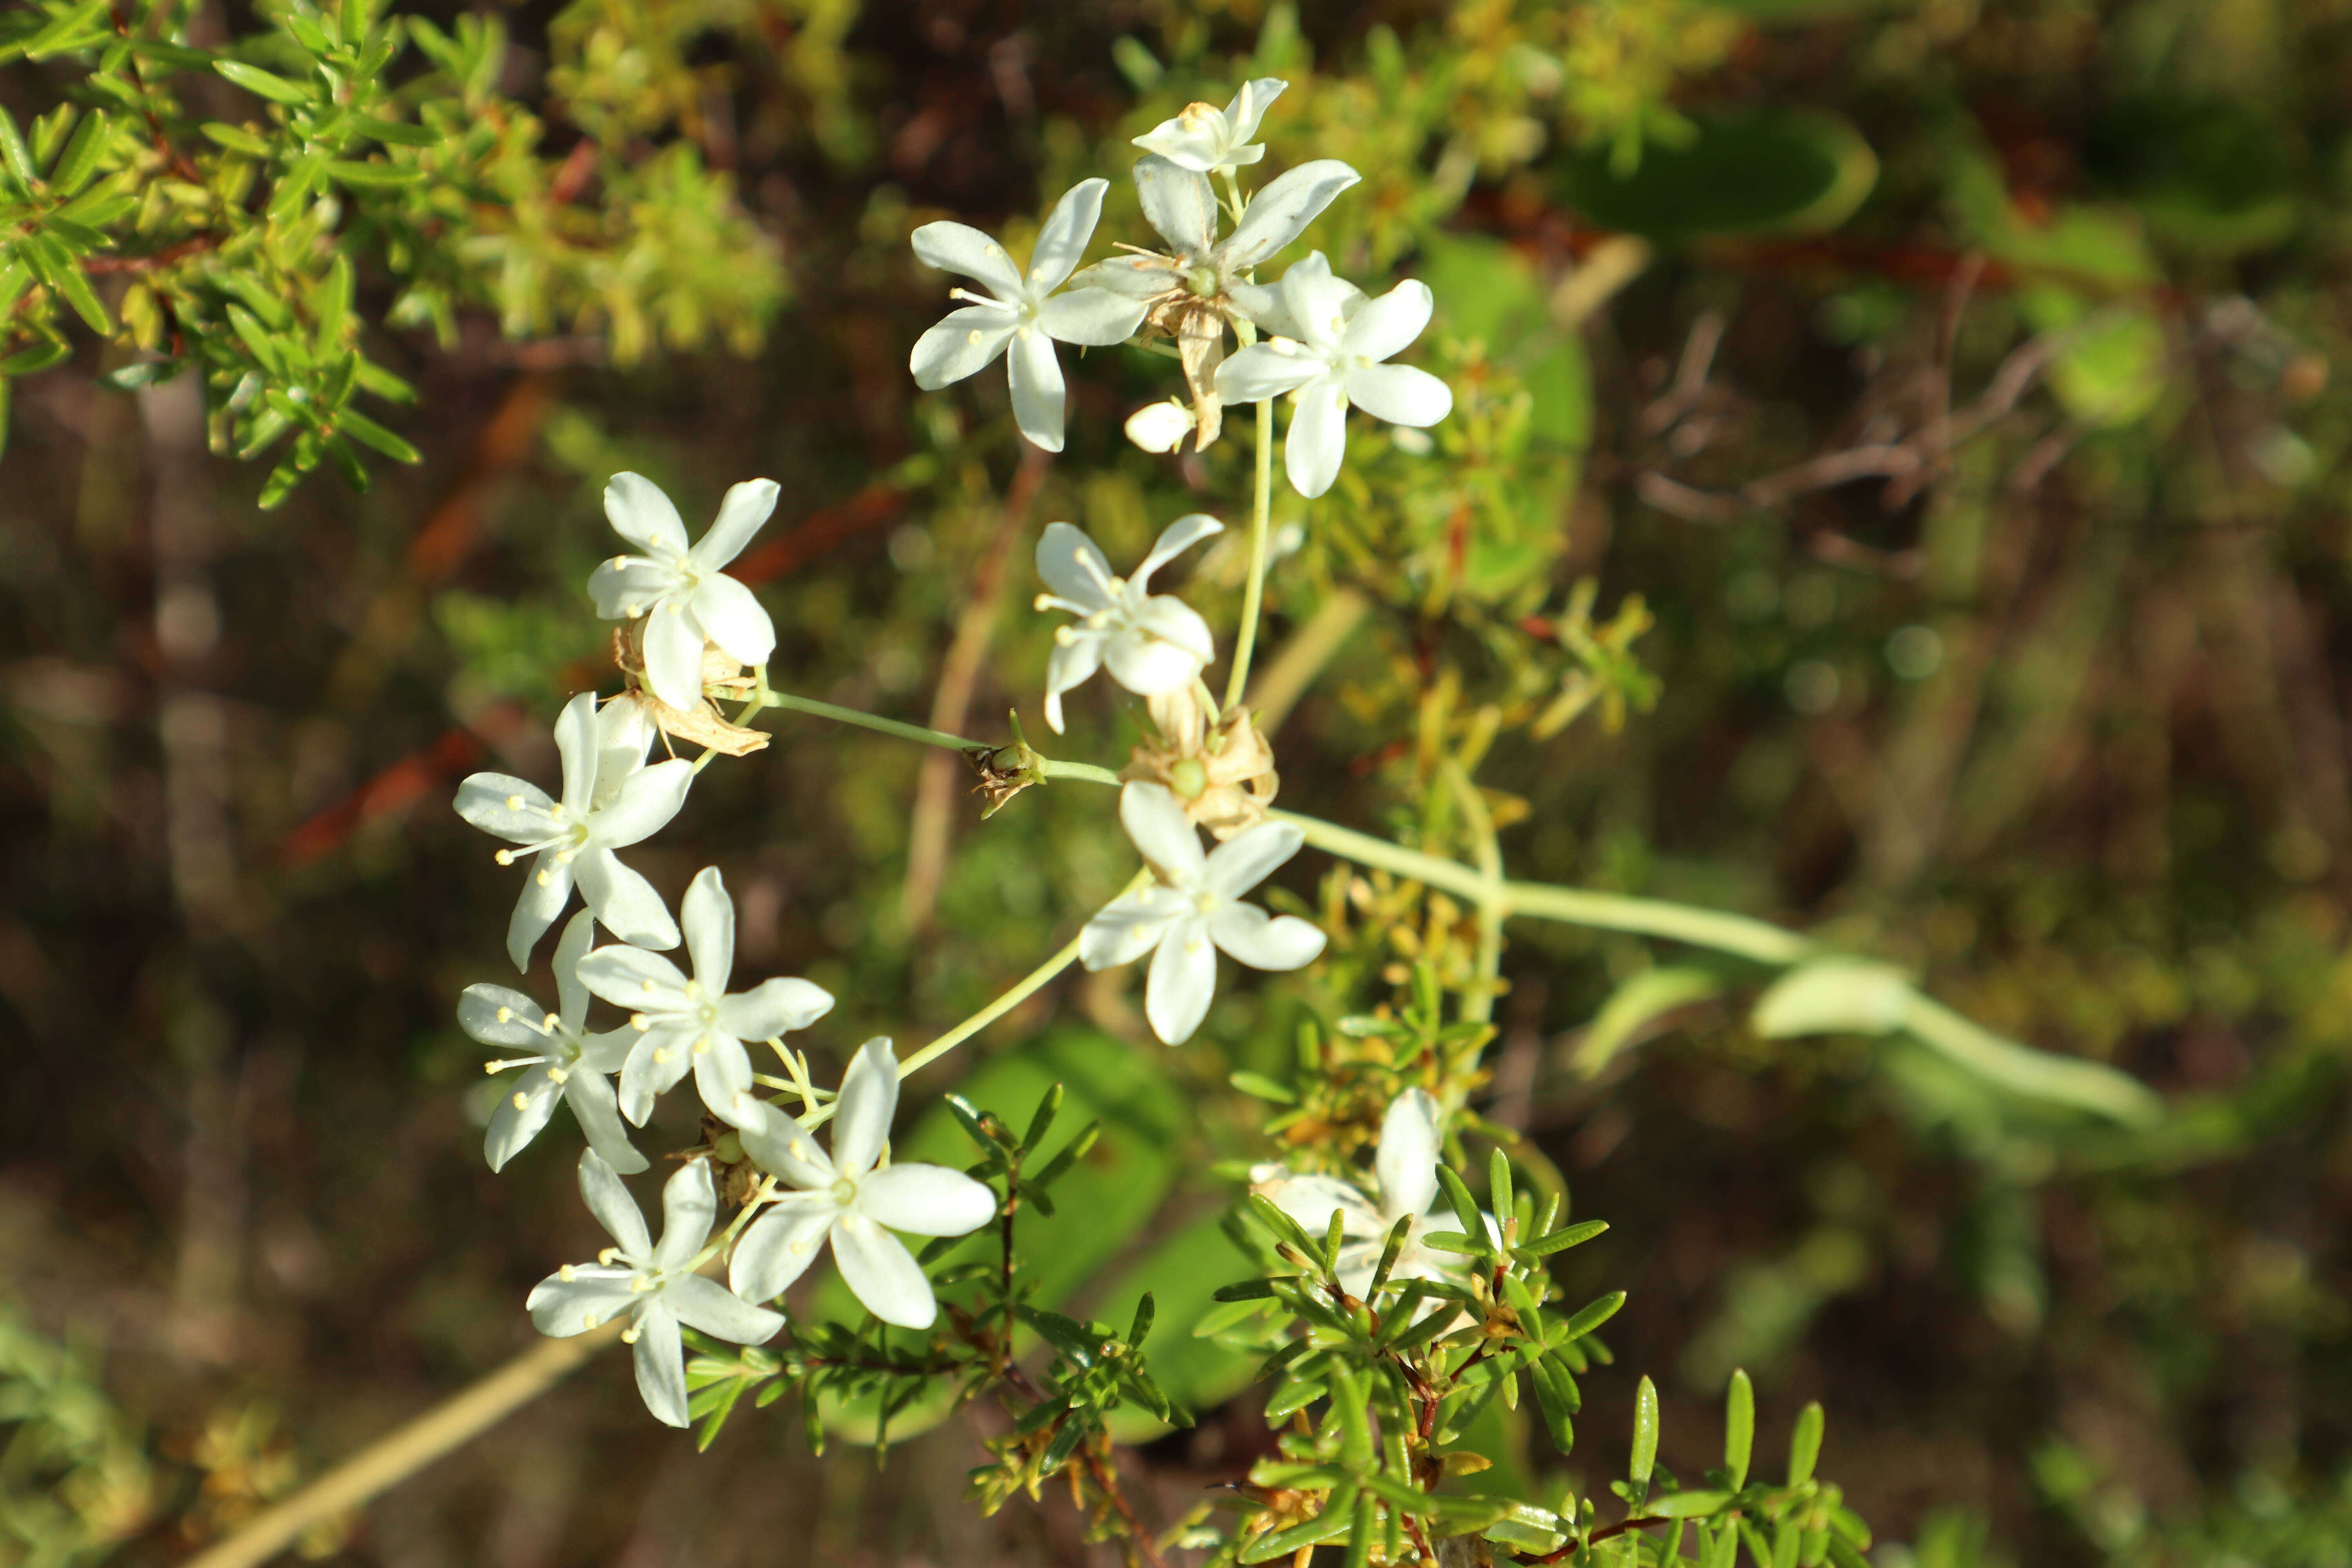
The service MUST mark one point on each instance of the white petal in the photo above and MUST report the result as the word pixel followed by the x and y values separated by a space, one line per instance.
pixel 1067 667
pixel 1317 442
pixel 1179 203
pixel 633 979
pixel 1198 139
pixel 1072 566
pixel 1184 980
pixel 1161 426
pixel 870 1098
pixel 732 617
pixel 661 1058
pixel 646 802
pixel 1322 307
pixel 622 901
pixel 1152 665
pixel 778 1247
pixel 623 586
pixel 1037 396
pixel 1175 539
pixel 560 1308
pixel 673 650
pixel 1267 370
pixel 1263 942
pixel 1269 306
pixel 604 1053
pixel 723 1075
pixel 1311 1201
pixel 963 342
pixel 570 996
pixel 513 1126
pixel 1387 325
pixel 881 1273
pixel 1129 926
pixel 610 1201
pixel 710 1308
pixel 590 1095
pixel 1063 239
pixel 575 742
pixel 641 514
pixel 489 801
pixel 1163 835
pixel 708 915
pixel 625 733
pixel 1399 394
pixel 1130 276
pixel 478 1010
pixel 1170 620
pixel 960 248
pixel 746 507
pixel 783 1147
pixel 660 1358
pixel 546 887
pixel 689 1205
pixel 924 1200
pixel 1406 1162
pixel 774 1007
pixel 1280 213
pixel 1250 104
pixel 1091 317
pixel 1248 858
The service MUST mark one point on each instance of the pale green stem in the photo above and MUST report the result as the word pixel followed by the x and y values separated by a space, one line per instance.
pixel 1028 985
pixel 867 720
pixel 1086 773
pixel 1261 508
pixel 1478 1002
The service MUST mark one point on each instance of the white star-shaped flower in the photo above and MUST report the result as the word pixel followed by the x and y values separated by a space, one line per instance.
pixel 575 838
pixel 1194 910
pixel 1021 310
pixel 845 1201
pixel 1405 1168
pixel 682 1024
pixel 656 1286
pixel 1154 643
pixel 1206 139
pixel 1333 360
pixel 688 600
pixel 565 1063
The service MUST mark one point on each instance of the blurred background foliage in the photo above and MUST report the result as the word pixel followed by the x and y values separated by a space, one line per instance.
pixel 1894 489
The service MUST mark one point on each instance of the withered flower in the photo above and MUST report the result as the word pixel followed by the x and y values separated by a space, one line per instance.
pixel 1221 774
pixel 701 724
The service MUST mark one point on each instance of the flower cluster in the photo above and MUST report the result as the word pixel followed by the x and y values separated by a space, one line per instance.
pixel 1309 335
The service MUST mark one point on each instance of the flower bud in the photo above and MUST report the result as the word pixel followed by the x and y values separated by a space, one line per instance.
pixel 1159 426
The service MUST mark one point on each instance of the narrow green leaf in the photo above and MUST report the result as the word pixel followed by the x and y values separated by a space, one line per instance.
pixel 399 133
pixel 1591 1316
pixel 79 162
pixel 1041 1121
pixel 262 83
pixel 236 137
pixel 1259 1086
pixel 1498 1185
pixel 1805 1445
pixel 31 359
pixel 373 176
pixel 1645 1432
pixel 1738 1427
pixel 1561 1240
pixel 1685 1505
pixel 77 292
pixel 13 152
pixel 1245 1290
pixel 179 57
pixel 1466 1208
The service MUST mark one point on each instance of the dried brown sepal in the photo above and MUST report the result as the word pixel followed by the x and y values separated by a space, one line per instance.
pixel 703 726
pixel 998 781
pixel 1221 774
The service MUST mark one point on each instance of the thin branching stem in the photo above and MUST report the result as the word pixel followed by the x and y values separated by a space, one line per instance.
pixel 1254 595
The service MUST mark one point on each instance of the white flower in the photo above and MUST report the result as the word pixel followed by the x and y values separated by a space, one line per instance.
pixel 575 838
pixel 1333 360
pixel 656 1286
pixel 1021 310
pixel 683 1023
pixel 1194 291
pixel 566 1064
pixel 1405 1166
pixel 1206 138
pixel 690 600
pixel 1196 904
pixel 1153 642
pixel 844 1200
pixel 1161 427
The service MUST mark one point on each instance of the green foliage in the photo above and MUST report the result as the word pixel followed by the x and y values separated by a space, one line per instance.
pixel 74 1478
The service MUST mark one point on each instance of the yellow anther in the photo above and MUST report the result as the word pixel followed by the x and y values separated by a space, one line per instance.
pixel 799 1249
pixel 638 1287
pixel 558 1077
pixel 567 1274
pixel 522 1100
pixel 505 1014
pixel 629 1335
pixel 702 1047
pixel 606 1257
pixel 591 1321
pixel 504 857
pixel 514 802
pixel 639 1022
pixel 661 1056
pixel 550 1021
pixel 650 987
pixel 545 880
pixel 972 336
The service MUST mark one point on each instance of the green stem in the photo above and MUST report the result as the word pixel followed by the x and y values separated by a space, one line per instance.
pixel 866 721
pixel 1261 508
pixel 1478 1002
pixel 1086 773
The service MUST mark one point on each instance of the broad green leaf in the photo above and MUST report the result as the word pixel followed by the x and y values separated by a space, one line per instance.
pixel 1738 1427
pixel 1758 172
pixel 1645 1432
pixel 1834 995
